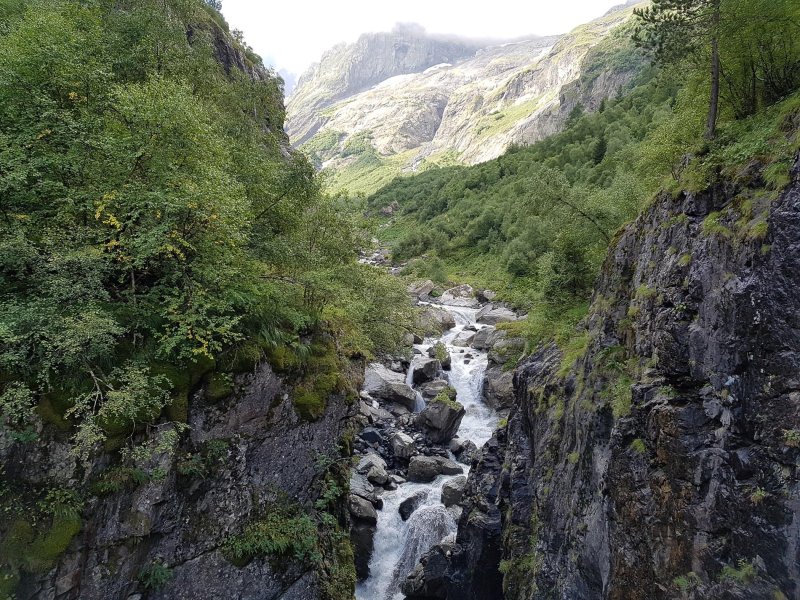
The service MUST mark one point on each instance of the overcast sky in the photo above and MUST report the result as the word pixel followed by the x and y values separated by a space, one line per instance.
pixel 292 34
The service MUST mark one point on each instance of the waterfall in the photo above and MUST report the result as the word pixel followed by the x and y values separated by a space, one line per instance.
pixel 399 544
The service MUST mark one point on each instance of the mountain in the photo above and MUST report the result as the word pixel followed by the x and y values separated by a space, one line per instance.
pixel 436 103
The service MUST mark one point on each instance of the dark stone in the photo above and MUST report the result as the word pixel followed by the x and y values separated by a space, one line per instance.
pixel 410 504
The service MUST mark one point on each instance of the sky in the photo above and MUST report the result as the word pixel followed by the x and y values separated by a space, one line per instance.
pixel 293 34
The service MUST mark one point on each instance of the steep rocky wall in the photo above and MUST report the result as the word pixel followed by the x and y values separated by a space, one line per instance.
pixel 663 461
pixel 267 457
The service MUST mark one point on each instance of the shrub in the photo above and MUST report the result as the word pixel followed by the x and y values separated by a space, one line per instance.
pixel 744 574
pixel 638 446
pixel 154 575
pixel 282 533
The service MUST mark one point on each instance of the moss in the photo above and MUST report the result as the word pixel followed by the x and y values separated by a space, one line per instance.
pixel 744 574
pixel 638 446
pixel 35 549
pixel 444 398
pixel 220 385
pixel 49 414
pixel 713 227
pixel 242 358
pixel 573 457
pixel 283 359
pixel 573 351
pixel 559 410
pixel 758 230
pixel 685 260
pixel 46 548
pixel 645 292
pixel 618 393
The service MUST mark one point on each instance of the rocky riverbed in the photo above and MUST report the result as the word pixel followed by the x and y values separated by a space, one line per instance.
pixel 424 419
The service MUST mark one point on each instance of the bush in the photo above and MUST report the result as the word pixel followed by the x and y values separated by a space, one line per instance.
pixel 154 575
pixel 283 533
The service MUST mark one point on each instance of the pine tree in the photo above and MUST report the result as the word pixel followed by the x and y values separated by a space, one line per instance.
pixel 674 29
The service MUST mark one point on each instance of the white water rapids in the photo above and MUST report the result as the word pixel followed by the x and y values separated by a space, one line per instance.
pixel 399 544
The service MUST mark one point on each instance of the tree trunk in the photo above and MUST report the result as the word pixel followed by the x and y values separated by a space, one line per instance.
pixel 713 108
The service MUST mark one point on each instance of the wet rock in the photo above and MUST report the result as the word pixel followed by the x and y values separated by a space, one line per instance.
pixel 490 315
pixel 362 538
pixel 486 295
pixel 433 388
pixel 412 503
pixel 433 320
pixel 371 435
pixel 403 445
pixel 462 295
pixel 362 509
pixel 425 369
pixel 464 338
pixel 424 469
pixel 481 338
pixel 383 384
pixel 498 387
pixel 440 419
pixel 506 349
pixel 463 450
pixel 439 351
pixel 453 490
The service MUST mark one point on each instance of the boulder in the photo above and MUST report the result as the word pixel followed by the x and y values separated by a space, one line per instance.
pixel 433 320
pixel 377 476
pixel 425 369
pixel 362 509
pixel 383 384
pixel 421 288
pixel 424 469
pixel 403 445
pixel 498 387
pixel 486 295
pixel 371 435
pixel 490 315
pixel 480 341
pixel 433 388
pixel 461 295
pixel 410 504
pixel 362 538
pixel 440 419
pixel 464 338
pixel 505 348
pixel 439 352
pixel 453 490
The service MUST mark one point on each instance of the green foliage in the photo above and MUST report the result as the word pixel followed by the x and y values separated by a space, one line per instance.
pixel 791 438
pixel 573 351
pixel 152 224
pixel 447 398
pixel 282 533
pixel 638 446
pixel 758 496
pixel 573 457
pixel 744 574
pixel 154 575
pixel 440 352
pixel 117 479
pixel 686 583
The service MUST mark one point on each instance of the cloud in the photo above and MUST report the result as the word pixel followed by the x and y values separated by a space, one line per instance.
pixel 294 34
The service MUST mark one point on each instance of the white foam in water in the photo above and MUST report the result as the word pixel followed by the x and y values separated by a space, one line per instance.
pixel 398 544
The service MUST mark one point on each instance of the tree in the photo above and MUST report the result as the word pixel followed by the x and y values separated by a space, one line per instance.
pixel 674 29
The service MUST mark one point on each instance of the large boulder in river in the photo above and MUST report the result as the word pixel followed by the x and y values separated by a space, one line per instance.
pixel 424 469
pixel 464 338
pixel 440 353
pixel 383 384
pixel 425 369
pixel 412 503
pixel 498 387
pixel 453 490
pixel 462 295
pixel 362 509
pixel 440 419
pixel 506 349
pixel 491 315
pixel 480 341
pixel 433 388
pixel 432 320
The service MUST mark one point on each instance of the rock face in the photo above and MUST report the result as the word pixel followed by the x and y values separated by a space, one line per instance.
pixel 440 420
pixel 383 384
pixel 411 96
pixel 665 463
pixel 182 518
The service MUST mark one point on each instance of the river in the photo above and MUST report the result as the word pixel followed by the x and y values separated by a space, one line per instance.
pixel 399 544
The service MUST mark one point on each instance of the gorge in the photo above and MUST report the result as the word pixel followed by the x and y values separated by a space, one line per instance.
pixel 456 320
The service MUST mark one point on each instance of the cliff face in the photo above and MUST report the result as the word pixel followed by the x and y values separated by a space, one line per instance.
pixel 458 105
pixel 243 457
pixel 348 69
pixel 663 462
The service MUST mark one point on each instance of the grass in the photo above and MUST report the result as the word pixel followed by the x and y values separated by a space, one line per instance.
pixel 743 574
pixel 282 533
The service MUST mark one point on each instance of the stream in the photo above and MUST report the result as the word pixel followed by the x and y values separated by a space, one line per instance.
pixel 398 544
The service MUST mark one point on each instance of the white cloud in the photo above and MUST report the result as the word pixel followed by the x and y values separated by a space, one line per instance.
pixel 291 34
